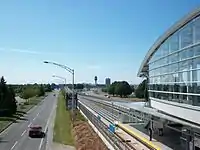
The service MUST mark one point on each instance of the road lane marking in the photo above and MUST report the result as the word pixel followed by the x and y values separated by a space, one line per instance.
pixel 34 118
pixel 23 133
pixel 46 126
pixel 30 124
pixel 38 113
pixel 14 145
pixel 40 146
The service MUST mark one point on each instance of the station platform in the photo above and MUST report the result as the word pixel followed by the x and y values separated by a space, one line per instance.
pixel 144 138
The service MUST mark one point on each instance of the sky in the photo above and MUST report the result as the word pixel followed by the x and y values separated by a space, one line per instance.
pixel 103 38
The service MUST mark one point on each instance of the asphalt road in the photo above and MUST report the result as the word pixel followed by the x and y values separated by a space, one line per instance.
pixel 16 136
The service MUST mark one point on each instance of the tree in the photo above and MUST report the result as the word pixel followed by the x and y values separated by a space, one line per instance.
pixel 48 88
pixel 111 89
pixel 13 102
pixel 123 89
pixel 141 91
pixel 132 88
pixel 8 104
pixel 104 90
pixel 41 91
pixel 79 86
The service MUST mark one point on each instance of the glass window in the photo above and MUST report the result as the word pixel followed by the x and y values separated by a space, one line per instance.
pixel 188 53
pixel 165 60
pixel 165 69
pixel 174 42
pixel 173 58
pixel 183 88
pixel 196 63
pixel 198 89
pixel 190 88
pixel 197 50
pixel 186 35
pixel 196 75
pixel 196 100
pixel 151 73
pixel 151 66
pixel 183 77
pixel 185 65
pixel 164 96
pixel 165 87
pixel 175 98
pixel 155 72
pixel 165 48
pixel 173 67
pixel 197 29
pixel 173 77
pixel 171 87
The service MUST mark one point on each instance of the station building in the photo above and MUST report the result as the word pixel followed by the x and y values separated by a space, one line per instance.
pixel 172 67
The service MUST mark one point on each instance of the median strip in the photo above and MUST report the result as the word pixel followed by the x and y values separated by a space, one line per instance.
pixel 63 125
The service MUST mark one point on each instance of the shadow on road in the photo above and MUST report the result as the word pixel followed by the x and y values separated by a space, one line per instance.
pixel 19 117
pixel 3 141
pixel 21 113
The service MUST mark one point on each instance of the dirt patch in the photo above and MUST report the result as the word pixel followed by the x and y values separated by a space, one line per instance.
pixel 86 138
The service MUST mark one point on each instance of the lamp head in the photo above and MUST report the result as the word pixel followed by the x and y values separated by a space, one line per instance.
pixel 46 62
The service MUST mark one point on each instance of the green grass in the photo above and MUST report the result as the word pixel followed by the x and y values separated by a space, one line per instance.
pixel 63 125
pixel 79 116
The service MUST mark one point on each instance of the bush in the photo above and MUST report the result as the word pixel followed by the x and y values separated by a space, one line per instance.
pixel 32 90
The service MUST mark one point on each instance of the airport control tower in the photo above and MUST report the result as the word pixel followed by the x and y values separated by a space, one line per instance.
pixel 95 80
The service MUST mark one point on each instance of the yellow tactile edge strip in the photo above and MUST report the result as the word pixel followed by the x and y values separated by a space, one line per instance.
pixel 139 137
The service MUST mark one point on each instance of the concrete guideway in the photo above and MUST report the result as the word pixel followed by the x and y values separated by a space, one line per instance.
pixel 125 137
pixel 16 137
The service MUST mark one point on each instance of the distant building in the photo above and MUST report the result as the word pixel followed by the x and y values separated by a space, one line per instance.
pixel 107 81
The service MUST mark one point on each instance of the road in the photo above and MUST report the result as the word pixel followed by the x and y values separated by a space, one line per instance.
pixel 16 137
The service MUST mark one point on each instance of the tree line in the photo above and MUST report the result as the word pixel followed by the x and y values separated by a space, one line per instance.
pixel 8 104
pixel 123 89
pixel 119 88
pixel 30 90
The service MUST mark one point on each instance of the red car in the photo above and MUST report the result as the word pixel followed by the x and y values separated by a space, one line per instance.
pixel 36 131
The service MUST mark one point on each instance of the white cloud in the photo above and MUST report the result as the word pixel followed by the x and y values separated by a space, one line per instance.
pixel 27 51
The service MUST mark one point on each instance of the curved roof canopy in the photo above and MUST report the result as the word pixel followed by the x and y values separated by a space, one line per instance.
pixel 144 66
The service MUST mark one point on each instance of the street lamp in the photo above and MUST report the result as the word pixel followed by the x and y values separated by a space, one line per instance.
pixel 70 71
pixel 60 78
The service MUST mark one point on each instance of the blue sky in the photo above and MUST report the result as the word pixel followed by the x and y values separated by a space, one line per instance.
pixel 106 38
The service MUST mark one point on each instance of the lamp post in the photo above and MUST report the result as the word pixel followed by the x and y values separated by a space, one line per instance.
pixel 70 71
pixel 60 78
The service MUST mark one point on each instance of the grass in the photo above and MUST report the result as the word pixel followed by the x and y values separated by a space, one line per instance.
pixel 63 125
pixel 79 116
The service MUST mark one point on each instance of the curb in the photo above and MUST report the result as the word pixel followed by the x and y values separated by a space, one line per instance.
pixel 5 127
